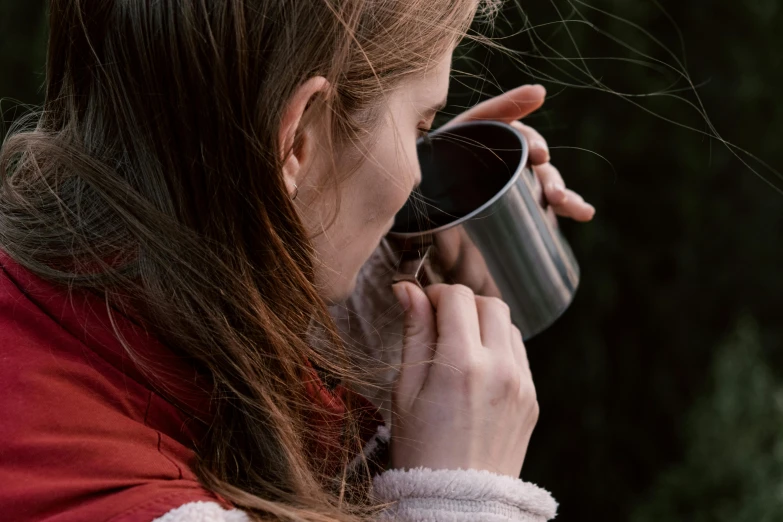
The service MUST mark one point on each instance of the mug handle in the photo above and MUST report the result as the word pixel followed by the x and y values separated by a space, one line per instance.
pixel 418 270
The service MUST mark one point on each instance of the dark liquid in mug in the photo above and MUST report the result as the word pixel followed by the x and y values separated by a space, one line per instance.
pixel 461 171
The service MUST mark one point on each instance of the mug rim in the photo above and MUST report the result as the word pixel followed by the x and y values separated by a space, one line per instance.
pixel 491 201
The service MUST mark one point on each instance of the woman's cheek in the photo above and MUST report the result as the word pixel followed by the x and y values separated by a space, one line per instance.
pixel 397 197
pixel 408 178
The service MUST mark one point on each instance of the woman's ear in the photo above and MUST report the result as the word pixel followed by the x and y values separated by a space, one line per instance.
pixel 294 155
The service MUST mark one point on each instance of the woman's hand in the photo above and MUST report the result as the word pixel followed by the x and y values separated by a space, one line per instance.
pixel 465 396
pixel 509 107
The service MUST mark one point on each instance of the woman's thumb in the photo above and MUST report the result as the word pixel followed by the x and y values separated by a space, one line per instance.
pixel 419 338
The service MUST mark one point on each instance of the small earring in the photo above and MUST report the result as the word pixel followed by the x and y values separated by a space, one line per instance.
pixel 296 192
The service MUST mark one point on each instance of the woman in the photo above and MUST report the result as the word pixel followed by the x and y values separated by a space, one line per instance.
pixel 206 178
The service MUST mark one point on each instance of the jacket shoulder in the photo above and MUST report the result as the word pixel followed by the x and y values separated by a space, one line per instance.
pixel 79 439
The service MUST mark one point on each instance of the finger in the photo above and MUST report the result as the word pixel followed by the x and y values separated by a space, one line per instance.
pixel 494 320
pixel 507 107
pixel 552 181
pixel 574 207
pixel 539 150
pixel 456 318
pixel 420 336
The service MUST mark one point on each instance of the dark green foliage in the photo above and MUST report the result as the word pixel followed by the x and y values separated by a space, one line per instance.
pixel 732 470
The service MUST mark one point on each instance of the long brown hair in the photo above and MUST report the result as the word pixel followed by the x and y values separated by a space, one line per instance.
pixel 152 177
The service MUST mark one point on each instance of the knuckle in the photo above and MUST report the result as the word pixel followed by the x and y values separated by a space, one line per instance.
pixel 510 378
pixel 501 306
pixel 535 411
pixel 474 369
pixel 527 392
pixel 464 375
pixel 462 292
pixel 494 305
pixel 526 386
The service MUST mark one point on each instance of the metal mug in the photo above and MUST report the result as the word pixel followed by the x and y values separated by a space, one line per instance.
pixel 479 218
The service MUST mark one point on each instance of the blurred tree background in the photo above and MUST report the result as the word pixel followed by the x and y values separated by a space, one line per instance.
pixel 661 388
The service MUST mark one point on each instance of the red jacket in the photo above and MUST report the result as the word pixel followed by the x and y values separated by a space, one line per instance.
pixel 83 435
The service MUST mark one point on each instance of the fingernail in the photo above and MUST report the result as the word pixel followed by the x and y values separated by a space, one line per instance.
pixel 402 296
